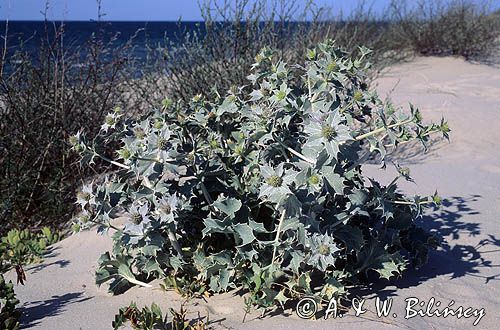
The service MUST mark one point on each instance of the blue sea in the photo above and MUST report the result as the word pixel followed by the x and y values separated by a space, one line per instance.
pixel 30 34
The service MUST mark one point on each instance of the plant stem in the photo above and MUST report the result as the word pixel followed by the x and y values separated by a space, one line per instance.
pixel 112 161
pixel 278 232
pixel 404 142
pixel 206 194
pixel 38 177
pixel 207 197
pixel 317 95
pixel 309 88
pixel 381 129
pixel 147 183
pixel 149 159
pixel 296 153
pixel 174 242
pixel 347 106
pixel 108 224
pixel 412 203
pixel 137 282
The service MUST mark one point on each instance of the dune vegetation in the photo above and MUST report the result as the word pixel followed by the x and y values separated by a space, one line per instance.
pixel 284 188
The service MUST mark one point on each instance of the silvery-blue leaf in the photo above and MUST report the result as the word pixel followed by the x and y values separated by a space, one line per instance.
pixel 245 233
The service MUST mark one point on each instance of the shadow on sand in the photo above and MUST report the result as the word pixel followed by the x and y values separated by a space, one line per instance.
pixel 52 253
pixel 449 223
pixel 61 263
pixel 35 311
pixel 452 260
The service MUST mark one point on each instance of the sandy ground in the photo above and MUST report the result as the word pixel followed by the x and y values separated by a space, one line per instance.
pixel 61 294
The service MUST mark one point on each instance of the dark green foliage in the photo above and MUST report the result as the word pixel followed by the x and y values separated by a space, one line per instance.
pixel 18 248
pixel 9 315
pixel 233 32
pixel 180 321
pixel 145 319
pixel 262 188
pixel 187 287
pixel 22 247
pixel 152 318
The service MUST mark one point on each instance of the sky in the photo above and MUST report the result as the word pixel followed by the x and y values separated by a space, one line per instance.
pixel 136 10
pixel 125 10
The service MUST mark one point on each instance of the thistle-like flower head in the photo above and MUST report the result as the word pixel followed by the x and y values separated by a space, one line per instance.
pixel 322 251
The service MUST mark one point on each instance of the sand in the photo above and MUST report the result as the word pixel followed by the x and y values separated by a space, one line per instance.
pixel 60 293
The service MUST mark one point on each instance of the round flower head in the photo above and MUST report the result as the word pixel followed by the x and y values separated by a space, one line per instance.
pixel 327 132
pixel 139 222
pixel 167 103
pixel 158 124
pixel 139 132
pixel 281 94
pixel 139 214
pixel 124 153
pixel 167 207
pixel 332 66
pixel 311 179
pixel 74 139
pixel 323 250
pixel 110 121
pixel 314 179
pixel 160 143
pixel 276 182
pixel 315 182
pixel 138 141
pixel 358 96
pixel 85 196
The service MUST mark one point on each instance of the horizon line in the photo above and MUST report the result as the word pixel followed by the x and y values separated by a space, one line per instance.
pixel 149 21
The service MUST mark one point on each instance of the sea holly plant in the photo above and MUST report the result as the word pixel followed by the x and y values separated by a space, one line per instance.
pixel 262 187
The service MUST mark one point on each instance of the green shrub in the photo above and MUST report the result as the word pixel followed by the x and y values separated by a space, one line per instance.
pixel 187 287
pixel 145 319
pixel 9 315
pixel 262 189
pixel 18 248
pixel 22 247
pixel 152 318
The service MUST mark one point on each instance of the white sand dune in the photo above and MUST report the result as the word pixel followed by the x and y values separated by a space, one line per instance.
pixel 61 294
